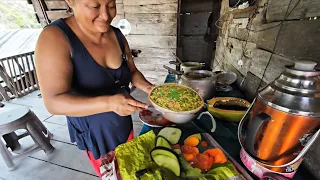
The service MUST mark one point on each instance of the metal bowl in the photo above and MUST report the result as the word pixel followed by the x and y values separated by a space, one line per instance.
pixel 174 116
pixel 226 77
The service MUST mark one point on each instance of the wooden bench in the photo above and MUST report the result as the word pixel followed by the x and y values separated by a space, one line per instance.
pixel 18 76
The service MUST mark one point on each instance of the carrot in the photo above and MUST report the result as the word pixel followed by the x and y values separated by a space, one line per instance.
pixel 185 149
pixel 191 141
pixel 217 154
pixel 188 157
pixel 195 150
pixel 204 144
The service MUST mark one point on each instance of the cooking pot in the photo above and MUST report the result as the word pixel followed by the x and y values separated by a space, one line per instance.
pixel 183 116
pixel 202 81
pixel 284 118
pixel 188 66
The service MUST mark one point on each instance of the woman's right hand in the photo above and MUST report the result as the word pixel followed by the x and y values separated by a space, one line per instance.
pixel 125 105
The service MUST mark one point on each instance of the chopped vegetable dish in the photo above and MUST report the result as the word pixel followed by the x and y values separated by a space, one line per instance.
pixel 176 98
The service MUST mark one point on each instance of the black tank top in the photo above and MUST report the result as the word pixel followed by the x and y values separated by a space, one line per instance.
pixel 98 133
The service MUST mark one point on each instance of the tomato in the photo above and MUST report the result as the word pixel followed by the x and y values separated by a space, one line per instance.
pixel 203 162
pixel 175 146
pixel 185 149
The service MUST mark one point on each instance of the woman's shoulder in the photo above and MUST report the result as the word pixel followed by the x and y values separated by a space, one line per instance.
pixel 52 37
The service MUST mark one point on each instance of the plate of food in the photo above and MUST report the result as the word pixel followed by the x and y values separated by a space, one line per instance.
pixel 153 118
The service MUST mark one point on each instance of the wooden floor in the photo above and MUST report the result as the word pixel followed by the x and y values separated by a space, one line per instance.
pixel 66 162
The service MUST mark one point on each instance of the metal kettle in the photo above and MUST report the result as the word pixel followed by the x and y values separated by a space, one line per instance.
pixel 284 117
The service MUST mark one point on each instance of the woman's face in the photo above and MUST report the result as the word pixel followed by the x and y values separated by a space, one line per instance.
pixel 95 15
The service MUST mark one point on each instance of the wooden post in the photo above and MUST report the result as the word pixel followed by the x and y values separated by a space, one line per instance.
pixel 41 8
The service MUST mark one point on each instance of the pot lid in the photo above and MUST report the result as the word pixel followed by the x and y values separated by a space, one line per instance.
pixel 295 91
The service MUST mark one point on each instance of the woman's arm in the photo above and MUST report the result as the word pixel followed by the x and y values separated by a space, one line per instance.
pixel 138 79
pixel 54 72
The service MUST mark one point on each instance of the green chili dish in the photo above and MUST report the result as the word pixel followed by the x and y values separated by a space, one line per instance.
pixel 176 98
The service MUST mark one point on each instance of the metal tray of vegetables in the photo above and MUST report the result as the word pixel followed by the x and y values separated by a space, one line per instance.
pixel 195 156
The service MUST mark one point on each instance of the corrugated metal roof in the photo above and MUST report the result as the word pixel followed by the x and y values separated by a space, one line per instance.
pixel 18 41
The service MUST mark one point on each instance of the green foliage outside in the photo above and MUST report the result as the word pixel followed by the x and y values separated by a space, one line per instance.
pixel 17 14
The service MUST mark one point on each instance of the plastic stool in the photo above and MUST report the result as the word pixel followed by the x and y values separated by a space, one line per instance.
pixel 12 119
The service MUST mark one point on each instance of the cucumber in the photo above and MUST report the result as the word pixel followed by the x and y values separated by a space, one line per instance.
pixel 171 134
pixel 168 163
pixel 162 142
pixel 166 158
pixel 163 151
pixel 195 135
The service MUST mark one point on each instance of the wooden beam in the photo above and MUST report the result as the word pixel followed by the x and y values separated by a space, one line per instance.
pixel 305 9
pixel 160 8
pixel 40 10
pixel 149 2
pixel 56 5
pixel 165 29
pixel 152 41
pixel 243 34
pixel 160 53
pixel 54 15
pixel 151 17
pixel 297 39
pixel 275 68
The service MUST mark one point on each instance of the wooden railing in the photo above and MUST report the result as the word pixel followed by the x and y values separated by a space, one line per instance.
pixel 18 75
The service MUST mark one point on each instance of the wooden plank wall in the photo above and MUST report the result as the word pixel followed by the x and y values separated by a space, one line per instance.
pixel 154 33
pixel 262 58
pixel 154 29
pixel 253 44
pixel 193 26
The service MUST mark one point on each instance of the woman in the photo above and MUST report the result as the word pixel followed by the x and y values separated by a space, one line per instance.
pixel 84 68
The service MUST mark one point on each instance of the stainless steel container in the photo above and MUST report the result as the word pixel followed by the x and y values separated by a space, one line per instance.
pixel 284 116
pixel 202 81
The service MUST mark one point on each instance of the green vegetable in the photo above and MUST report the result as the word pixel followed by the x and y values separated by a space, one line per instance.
pixel 163 151
pixel 193 172
pixel 133 156
pixel 171 134
pixel 195 135
pixel 162 142
pixel 188 169
pixel 178 151
pixel 225 171
pixel 166 158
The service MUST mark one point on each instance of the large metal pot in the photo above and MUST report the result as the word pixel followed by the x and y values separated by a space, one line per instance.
pixel 185 116
pixel 202 81
pixel 188 66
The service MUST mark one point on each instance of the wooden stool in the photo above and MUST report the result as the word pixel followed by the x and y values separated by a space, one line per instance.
pixel 12 119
